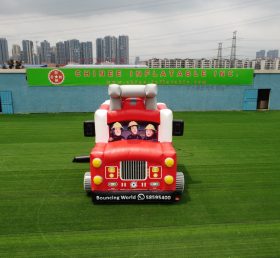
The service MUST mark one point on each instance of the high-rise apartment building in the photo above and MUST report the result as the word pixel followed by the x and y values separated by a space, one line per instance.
pixel 272 54
pixel 36 59
pixel 99 50
pixel 16 52
pixel 28 52
pixel 45 52
pixel 67 51
pixel 74 51
pixel 123 50
pixel 112 50
pixel 4 54
pixel 53 55
pixel 86 53
pixel 260 54
pixel 60 53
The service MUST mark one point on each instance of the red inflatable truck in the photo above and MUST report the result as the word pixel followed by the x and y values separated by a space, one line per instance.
pixel 133 159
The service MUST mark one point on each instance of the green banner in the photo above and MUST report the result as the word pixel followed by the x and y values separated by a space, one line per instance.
pixel 160 76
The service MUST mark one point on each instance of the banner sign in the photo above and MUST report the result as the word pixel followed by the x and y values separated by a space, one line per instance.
pixel 145 196
pixel 160 76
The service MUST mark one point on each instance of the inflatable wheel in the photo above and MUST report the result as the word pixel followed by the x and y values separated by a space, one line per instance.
pixel 180 182
pixel 87 182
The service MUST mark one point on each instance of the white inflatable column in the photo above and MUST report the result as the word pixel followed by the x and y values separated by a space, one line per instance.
pixel 101 127
pixel 165 127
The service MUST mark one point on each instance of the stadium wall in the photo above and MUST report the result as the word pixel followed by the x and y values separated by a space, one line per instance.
pixel 27 99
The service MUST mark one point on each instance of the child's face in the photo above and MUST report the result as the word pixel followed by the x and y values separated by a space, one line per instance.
pixel 149 132
pixel 134 129
pixel 118 131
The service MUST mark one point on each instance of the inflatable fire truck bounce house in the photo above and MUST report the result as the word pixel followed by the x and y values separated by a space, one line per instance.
pixel 133 159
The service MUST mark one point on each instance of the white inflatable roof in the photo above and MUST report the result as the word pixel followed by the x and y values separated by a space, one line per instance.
pixel 148 91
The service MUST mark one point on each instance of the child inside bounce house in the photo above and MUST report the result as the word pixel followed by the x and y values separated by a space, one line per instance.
pixel 133 130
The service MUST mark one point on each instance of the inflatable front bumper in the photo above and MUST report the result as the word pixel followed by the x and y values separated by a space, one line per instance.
pixel 134 197
pixel 137 196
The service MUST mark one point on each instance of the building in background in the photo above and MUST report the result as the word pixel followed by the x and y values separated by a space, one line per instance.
pixel 112 50
pixel 16 52
pixel 123 50
pixel 60 53
pixel 272 54
pixel 86 53
pixel 99 51
pixel 74 51
pixel 260 54
pixel 67 52
pixel 45 52
pixel 257 64
pixel 137 60
pixel 4 53
pixel 115 50
pixel 53 55
pixel 28 52
pixel 36 59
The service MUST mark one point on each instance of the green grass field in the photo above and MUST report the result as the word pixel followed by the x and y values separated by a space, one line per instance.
pixel 231 207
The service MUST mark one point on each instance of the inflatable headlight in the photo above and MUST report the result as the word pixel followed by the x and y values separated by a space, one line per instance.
pixel 97 180
pixel 96 162
pixel 169 162
pixel 169 180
